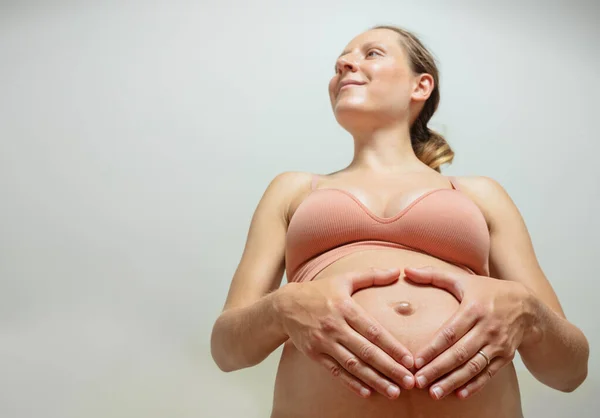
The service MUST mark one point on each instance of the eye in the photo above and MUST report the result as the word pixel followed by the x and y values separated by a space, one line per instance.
pixel 369 52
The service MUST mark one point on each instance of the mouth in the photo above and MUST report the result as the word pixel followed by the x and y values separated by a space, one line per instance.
pixel 349 83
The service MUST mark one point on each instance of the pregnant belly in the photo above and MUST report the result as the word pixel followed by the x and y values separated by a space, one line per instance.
pixel 412 313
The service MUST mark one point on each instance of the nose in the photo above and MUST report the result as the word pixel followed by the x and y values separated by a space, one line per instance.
pixel 345 64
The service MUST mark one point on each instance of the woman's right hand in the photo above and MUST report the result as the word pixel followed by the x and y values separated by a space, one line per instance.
pixel 328 326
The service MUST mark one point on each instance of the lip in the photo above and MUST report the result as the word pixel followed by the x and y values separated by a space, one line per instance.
pixel 345 83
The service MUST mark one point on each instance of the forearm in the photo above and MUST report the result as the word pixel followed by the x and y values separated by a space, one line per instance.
pixel 555 351
pixel 243 337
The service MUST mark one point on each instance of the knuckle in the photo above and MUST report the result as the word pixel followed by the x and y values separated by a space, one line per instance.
pixel 373 333
pixel 507 352
pixel 461 354
pixel 396 352
pixel 502 350
pixel 449 384
pixel 329 325
pixel 317 340
pixel 396 373
pixel 493 330
pixel 434 370
pixel 351 364
pixel 381 385
pixel 449 335
pixel 489 372
pixel 475 308
pixel 429 353
pixel 474 366
pixel 345 306
pixel 335 370
pixel 367 352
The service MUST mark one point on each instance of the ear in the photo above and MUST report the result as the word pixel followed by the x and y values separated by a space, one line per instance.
pixel 423 86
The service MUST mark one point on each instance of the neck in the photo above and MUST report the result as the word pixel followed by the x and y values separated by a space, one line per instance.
pixel 385 150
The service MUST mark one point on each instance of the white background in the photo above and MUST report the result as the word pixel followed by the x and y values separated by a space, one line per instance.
pixel 136 139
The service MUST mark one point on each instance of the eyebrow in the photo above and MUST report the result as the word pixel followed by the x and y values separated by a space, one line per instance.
pixel 368 44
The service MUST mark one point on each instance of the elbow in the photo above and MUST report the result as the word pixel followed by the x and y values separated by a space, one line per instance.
pixel 218 350
pixel 582 375
pixel 225 354
pixel 224 367
pixel 574 384
pixel 220 359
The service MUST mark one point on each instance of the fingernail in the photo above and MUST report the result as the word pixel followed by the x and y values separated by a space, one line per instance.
pixel 419 363
pixel 438 392
pixel 364 392
pixel 393 391
pixel 421 381
pixel 463 393
pixel 407 361
pixel 408 381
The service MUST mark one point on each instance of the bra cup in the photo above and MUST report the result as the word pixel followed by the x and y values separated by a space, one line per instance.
pixel 444 223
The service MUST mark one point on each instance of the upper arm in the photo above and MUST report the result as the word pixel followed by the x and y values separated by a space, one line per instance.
pixel 262 263
pixel 512 256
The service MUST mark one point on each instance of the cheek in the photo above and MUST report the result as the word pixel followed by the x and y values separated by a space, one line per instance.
pixel 392 92
pixel 390 80
pixel 332 83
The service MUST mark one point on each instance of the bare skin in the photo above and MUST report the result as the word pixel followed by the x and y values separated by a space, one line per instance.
pixel 374 322
pixel 412 313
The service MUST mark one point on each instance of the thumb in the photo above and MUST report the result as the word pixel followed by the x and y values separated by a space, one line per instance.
pixel 373 277
pixel 438 278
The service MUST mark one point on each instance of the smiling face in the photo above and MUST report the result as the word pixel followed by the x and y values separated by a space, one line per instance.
pixel 382 85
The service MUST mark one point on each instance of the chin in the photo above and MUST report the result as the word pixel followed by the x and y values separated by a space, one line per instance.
pixel 353 117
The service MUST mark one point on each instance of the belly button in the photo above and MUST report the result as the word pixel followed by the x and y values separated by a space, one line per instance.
pixel 403 308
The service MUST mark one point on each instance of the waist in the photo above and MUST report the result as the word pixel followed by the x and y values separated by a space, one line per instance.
pixel 304 388
pixel 310 269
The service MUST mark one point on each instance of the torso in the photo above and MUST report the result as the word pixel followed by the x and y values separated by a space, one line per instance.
pixel 305 389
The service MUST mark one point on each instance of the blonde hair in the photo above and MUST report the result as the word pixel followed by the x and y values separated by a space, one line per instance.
pixel 429 146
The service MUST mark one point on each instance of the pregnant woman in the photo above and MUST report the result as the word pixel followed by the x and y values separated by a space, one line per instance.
pixel 408 292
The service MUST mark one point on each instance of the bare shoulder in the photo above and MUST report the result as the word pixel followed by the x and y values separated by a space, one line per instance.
pixel 480 185
pixel 291 179
pixel 289 187
pixel 488 194
pixel 290 183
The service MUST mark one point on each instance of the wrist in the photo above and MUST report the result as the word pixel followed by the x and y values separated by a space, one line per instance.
pixel 279 300
pixel 533 331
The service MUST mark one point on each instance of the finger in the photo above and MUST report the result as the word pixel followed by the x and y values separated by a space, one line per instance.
pixel 451 359
pixel 371 277
pixel 362 322
pixel 357 368
pixel 476 384
pixel 463 374
pixel 346 378
pixel 449 333
pixel 377 358
pixel 439 278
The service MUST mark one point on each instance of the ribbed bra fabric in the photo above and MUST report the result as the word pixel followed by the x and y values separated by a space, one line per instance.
pixel 332 223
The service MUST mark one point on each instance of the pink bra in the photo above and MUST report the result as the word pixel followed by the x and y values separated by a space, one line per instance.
pixel 332 223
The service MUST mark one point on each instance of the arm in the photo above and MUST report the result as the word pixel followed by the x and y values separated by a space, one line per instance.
pixel 555 351
pixel 247 330
pixel 319 317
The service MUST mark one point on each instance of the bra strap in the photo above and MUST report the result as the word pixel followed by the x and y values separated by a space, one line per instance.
pixel 452 181
pixel 313 183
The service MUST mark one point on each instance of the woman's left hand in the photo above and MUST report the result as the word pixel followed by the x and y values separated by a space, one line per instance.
pixel 493 319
